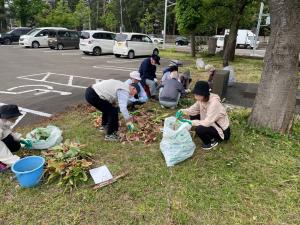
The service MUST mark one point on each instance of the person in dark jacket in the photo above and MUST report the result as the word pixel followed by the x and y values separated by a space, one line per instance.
pixel 148 73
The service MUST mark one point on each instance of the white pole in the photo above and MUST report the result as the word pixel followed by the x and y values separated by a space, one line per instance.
pixel 121 27
pixel 258 26
pixel 165 23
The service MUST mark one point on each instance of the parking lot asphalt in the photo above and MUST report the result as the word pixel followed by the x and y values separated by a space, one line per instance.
pixel 44 82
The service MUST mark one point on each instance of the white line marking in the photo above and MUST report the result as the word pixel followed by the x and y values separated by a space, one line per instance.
pixel 70 53
pixel 19 119
pixel 111 68
pixel 123 61
pixel 70 82
pixel 38 91
pixel 32 111
pixel 46 77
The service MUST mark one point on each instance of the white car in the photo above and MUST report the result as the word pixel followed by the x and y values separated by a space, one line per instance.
pixel 134 44
pixel 220 40
pixel 38 37
pixel 96 42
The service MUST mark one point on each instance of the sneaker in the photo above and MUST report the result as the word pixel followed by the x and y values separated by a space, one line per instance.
pixel 210 145
pixel 112 137
pixel 102 128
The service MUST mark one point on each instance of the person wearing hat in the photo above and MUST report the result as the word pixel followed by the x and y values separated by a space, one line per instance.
pixel 171 91
pixel 148 73
pixel 142 97
pixel 208 115
pixel 9 141
pixel 108 96
pixel 168 71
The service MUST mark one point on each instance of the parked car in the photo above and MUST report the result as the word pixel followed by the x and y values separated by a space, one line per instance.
pixel 181 41
pixel 13 35
pixel 134 44
pixel 96 42
pixel 37 37
pixel 156 40
pixel 62 39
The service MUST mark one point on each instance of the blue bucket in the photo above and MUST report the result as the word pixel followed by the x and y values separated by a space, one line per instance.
pixel 29 170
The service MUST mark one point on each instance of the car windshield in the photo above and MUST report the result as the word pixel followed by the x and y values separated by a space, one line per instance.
pixel 84 35
pixel 34 32
pixel 121 37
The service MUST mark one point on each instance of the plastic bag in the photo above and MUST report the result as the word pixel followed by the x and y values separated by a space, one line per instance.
pixel 45 138
pixel 200 64
pixel 177 144
pixel 231 80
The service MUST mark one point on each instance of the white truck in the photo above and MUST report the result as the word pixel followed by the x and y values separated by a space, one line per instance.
pixel 244 38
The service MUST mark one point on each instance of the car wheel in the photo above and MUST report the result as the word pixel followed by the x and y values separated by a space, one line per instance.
pixel 52 48
pixel 60 47
pixel 97 51
pixel 131 54
pixel 155 52
pixel 86 53
pixel 7 41
pixel 117 55
pixel 35 44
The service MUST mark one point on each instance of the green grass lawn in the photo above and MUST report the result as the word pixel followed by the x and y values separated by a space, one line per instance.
pixel 247 70
pixel 252 179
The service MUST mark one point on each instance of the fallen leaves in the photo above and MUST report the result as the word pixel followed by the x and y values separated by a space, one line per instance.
pixel 67 164
pixel 147 126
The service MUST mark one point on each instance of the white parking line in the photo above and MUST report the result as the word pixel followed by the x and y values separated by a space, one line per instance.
pixel 49 74
pixel 124 61
pixel 19 119
pixel 73 53
pixel 32 111
pixel 115 68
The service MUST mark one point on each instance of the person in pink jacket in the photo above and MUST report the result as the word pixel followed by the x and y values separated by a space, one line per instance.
pixel 208 116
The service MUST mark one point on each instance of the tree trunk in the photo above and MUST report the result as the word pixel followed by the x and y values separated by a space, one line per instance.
pixel 193 45
pixel 275 101
pixel 229 49
pixel 3 24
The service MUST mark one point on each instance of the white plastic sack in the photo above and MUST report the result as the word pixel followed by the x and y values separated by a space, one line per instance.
pixel 231 80
pixel 200 64
pixel 54 137
pixel 176 145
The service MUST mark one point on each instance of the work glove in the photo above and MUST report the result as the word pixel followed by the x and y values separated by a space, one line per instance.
pixel 186 121
pixel 130 127
pixel 179 114
pixel 27 143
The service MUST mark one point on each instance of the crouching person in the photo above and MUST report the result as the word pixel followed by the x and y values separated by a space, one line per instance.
pixel 170 91
pixel 9 141
pixel 208 116
pixel 108 96
pixel 142 97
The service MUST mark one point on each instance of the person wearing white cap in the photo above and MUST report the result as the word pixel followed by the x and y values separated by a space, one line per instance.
pixel 135 78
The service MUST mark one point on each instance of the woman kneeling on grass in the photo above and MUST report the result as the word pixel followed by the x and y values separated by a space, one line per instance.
pixel 208 115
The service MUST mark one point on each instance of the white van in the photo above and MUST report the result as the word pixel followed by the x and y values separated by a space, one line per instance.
pixel 244 38
pixel 38 37
pixel 134 44
pixel 96 42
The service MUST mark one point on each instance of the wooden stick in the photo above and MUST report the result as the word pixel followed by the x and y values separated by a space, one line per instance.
pixel 111 181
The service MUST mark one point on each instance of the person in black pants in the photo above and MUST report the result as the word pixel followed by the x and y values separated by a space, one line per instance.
pixel 9 141
pixel 107 96
pixel 208 116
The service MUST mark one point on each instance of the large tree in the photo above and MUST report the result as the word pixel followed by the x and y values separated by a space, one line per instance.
pixel 82 15
pixel 26 10
pixel 188 16
pixel 276 97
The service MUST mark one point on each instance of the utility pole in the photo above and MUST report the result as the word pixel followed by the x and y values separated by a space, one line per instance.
pixel 165 21
pixel 121 11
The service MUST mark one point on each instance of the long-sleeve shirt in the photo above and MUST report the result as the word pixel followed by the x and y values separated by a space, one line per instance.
pixel 147 70
pixel 123 97
pixel 142 95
